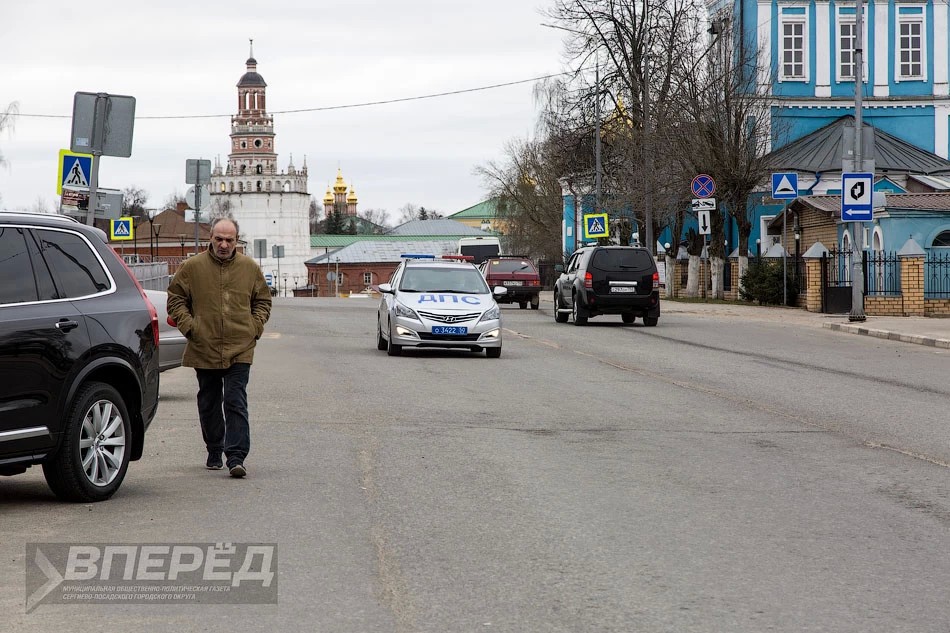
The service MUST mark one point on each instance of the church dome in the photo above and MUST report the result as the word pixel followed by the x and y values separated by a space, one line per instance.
pixel 351 197
pixel 328 199
pixel 339 186
pixel 250 79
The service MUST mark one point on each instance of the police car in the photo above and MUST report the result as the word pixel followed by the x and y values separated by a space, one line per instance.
pixel 433 302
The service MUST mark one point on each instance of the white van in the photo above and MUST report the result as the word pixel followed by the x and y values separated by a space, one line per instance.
pixel 480 248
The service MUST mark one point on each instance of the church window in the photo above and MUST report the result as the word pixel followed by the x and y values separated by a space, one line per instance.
pixel 910 44
pixel 241 187
pixel 232 187
pixel 223 189
pixel 260 168
pixel 260 186
pixel 942 240
pixel 793 45
pixel 243 169
pixel 267 186
pixel 257 142
pixel 243 144
pixel 287 185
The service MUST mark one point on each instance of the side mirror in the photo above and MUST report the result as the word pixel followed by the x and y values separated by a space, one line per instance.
pixel 386 288
pixel 559 268
pixel 499 290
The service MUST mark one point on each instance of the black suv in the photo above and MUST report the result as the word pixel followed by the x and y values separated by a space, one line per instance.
pixel 78 356
pixel 608 280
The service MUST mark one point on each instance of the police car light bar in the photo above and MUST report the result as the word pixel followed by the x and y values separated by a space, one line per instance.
pixel 416 256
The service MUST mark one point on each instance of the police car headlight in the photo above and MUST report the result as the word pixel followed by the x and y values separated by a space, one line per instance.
pixel 403 311
pixel 492 314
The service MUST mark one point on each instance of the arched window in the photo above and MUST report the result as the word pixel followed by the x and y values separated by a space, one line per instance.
pixel 223 189
pixel 942 240
pixel 260 186
pixel 267 186
pixel 243 169
pixel 232 187
pixel 287 186
pixel 241 187
pixel 260 168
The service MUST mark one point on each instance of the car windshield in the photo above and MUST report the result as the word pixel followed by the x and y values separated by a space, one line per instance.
pixel 511 266
pixel 461 280
pixel 617 259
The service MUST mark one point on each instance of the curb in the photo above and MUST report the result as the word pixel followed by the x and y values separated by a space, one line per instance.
pixel 891 336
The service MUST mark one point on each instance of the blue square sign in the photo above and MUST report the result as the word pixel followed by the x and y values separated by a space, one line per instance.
pixel 857 197
pixel 785 186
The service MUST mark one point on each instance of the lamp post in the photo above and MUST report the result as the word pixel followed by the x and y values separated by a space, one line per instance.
pixel 181 240
pixel 157 230
pixel 758 248
pixel 336 281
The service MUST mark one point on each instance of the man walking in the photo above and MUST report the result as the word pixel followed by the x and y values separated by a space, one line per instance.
pixel 220 302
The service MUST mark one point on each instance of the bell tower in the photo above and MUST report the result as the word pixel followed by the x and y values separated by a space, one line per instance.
pixel 252 130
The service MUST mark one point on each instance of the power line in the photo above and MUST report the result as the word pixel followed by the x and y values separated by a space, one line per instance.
pixel 324 108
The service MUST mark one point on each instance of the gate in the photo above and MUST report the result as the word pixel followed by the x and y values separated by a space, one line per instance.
pixel 836 282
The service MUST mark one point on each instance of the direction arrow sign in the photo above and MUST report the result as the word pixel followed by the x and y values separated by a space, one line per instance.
pixel 785 186
pixel 857 197
pixel 704 226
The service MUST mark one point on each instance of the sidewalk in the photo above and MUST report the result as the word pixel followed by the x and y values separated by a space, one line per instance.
pixel 934 332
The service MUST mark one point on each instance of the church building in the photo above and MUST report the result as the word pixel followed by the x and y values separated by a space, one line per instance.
pixel 269 203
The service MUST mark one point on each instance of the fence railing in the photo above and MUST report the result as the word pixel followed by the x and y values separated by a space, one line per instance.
pixel 882 273
pixel 937 275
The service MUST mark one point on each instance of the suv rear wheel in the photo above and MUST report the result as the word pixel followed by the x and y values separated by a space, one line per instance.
pixel 94 455
pixel 650 321
pixel 535 302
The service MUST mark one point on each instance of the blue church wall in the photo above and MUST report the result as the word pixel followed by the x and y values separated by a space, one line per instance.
pixel 897 226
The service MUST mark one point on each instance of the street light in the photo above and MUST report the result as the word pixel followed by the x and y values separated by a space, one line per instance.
pixel 157 230
pixel 181 240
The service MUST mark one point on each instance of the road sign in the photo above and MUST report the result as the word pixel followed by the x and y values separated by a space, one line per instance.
pixel 121 229
pixel 595 225
pixel 704 226
pixel 103 123
pixel 260 248
pixel 785 185
pixel 197 172
pixel 704 204
pixel 857 197
pixel 75 202
pixel 269 278
pixel 205 200
pixel 277 252
pixel 703 186
pixel 74 171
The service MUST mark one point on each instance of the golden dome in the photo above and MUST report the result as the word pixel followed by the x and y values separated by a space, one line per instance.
pixel 328 199
pixel 339 186
pixel 351 197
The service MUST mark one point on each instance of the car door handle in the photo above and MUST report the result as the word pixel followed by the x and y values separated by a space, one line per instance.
pixel 66 325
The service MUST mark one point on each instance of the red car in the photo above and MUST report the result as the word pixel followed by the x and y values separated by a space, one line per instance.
pixel 517 274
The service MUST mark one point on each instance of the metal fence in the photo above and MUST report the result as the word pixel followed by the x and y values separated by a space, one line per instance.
pixel 882 273
pixel 937 274
pixel 152 276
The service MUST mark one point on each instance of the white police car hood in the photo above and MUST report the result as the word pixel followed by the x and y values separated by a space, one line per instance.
pixel 430 304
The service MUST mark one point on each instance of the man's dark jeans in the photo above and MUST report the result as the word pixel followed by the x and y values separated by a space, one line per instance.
pixel 222 410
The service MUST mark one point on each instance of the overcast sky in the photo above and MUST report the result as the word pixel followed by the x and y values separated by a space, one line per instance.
pixel 185 58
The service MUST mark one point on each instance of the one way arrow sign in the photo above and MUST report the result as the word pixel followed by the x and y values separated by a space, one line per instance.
pixel 703 218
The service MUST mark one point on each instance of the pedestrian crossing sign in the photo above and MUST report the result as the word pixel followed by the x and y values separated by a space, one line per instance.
pixel 121 230
pixel 74 171
pixel 595 225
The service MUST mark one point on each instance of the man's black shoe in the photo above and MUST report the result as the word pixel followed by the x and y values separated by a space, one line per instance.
pixel 238 471
pixel 214 462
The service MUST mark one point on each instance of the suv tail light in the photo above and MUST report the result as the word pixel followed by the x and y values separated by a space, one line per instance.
pixel 588 280
pixel 151 308
pixel 656 279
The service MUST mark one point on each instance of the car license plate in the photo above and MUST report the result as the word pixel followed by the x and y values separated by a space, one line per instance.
pixel 622 289
pixel 513 283
pixel 449 329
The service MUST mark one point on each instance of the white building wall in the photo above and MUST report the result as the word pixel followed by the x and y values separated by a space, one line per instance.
pixel 281 219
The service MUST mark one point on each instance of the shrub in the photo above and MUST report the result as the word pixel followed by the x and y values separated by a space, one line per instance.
pixel 762 282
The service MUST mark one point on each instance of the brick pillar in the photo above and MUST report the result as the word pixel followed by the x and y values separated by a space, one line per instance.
pixel 813 283
pixel 912 284
pixel 733 263
pixel 677 289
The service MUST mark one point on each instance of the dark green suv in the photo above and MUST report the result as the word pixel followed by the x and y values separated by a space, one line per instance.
pixel 608 280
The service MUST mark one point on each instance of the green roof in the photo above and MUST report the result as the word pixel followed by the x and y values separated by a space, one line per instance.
pixel 339 241
pixel 486 209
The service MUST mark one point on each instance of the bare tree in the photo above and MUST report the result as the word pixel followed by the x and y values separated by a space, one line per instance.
pixel 315 213
pixel 722 129
pixel 173 199
pixel 134 200
pixel 528 197
pixel 379 218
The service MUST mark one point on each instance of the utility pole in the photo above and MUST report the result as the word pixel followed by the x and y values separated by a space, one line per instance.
pixel 857 228
pixel 597 165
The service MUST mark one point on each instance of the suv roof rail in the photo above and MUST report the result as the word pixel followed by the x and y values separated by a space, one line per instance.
pixel 34 214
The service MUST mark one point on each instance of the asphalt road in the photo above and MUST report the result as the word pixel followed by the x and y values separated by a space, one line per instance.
pixel 713 474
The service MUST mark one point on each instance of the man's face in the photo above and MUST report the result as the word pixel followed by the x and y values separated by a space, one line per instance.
pixel 224 239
